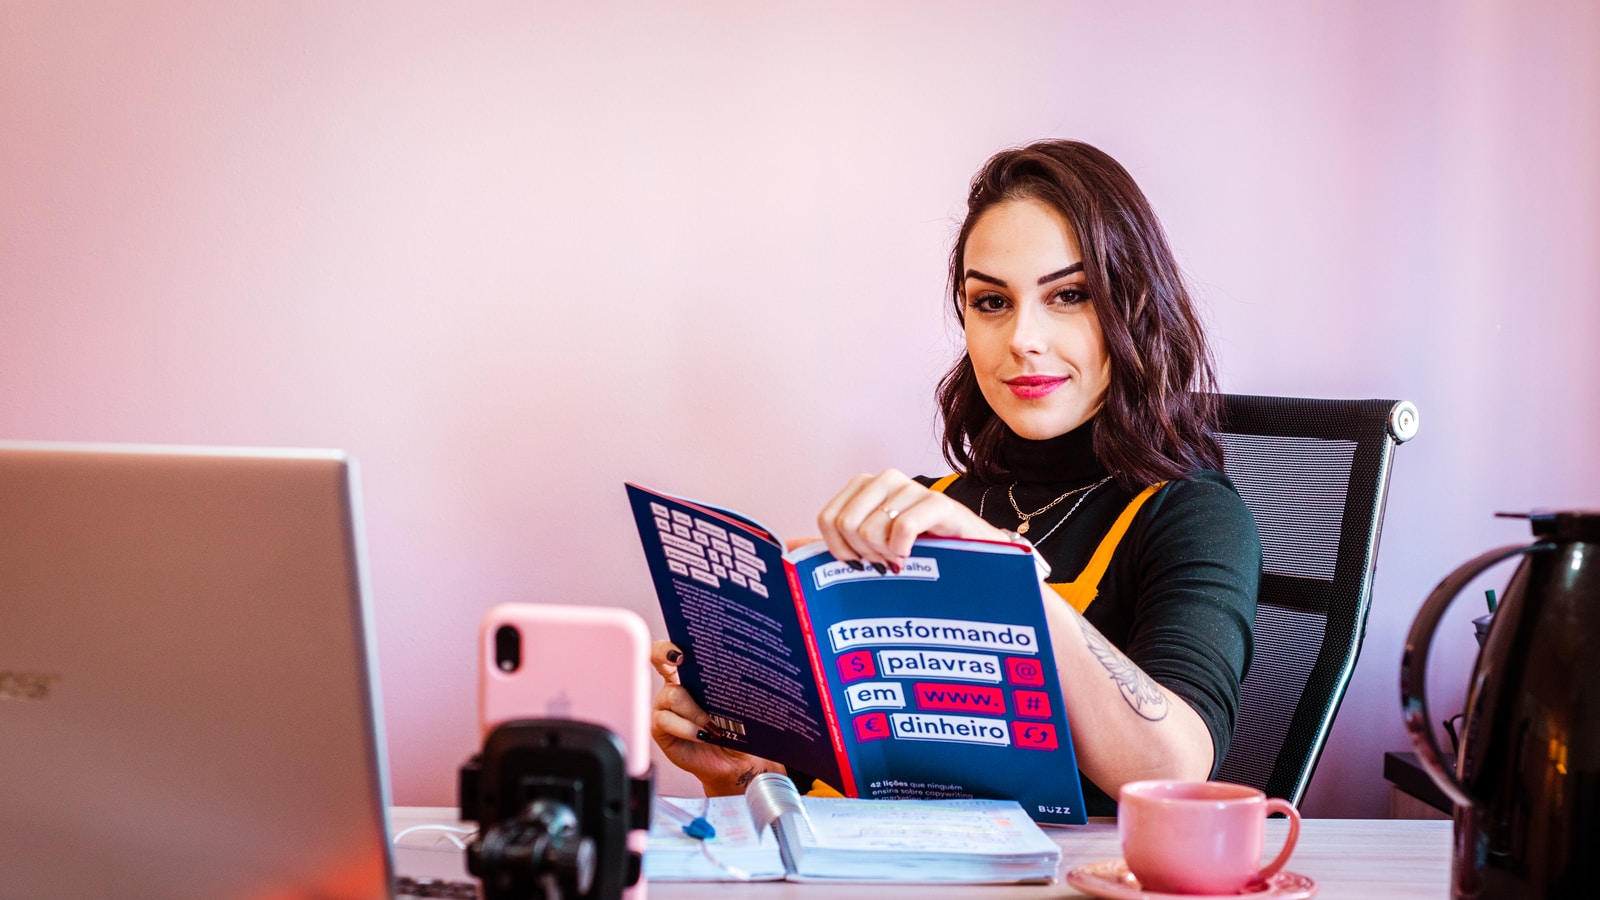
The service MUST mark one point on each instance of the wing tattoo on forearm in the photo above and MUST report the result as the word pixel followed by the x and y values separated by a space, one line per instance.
pixel 1142 694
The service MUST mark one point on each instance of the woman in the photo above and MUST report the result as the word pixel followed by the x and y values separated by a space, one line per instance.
pixel 1079 419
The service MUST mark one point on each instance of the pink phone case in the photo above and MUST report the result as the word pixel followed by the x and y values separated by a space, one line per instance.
pixel 585 663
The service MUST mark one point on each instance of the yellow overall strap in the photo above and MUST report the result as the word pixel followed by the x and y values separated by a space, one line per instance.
pixel 820 788
pixel 938 486
pixel 1081 593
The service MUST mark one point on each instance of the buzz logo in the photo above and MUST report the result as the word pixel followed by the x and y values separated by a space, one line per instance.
pixel 26 685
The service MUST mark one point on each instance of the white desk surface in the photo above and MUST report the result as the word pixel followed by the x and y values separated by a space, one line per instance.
pixel 1396 859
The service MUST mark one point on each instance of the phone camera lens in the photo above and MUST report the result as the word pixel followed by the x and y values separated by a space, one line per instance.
pixel 507 648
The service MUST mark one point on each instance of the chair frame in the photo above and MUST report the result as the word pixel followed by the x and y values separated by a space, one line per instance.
pixel 1375 427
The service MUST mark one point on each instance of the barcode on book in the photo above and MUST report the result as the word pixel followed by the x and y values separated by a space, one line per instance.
pixel 728 726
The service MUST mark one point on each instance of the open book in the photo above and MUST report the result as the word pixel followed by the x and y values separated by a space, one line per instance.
pixel 933 683
pixel 773 833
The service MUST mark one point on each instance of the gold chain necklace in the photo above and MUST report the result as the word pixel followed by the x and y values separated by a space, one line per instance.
pixel 1024 517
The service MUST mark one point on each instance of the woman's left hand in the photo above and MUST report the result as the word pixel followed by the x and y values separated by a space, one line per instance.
pixel 876 518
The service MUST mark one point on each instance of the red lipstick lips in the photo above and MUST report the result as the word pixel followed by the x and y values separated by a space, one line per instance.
pixel 1032 387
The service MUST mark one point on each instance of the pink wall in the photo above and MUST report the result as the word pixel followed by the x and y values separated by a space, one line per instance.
pixel 510 254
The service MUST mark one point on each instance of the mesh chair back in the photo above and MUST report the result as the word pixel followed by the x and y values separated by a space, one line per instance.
pixel 1314 473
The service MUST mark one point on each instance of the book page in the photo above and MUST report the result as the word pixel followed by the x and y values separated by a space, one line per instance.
pixel 927 841
pixel 738 851
pixel 950 826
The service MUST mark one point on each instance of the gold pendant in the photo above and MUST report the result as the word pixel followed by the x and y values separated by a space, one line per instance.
pixel 1023 528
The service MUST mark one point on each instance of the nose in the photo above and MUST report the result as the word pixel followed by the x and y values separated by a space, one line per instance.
pixel 1027 330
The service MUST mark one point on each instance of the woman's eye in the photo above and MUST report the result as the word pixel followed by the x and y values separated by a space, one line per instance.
pixel 1071 296
pixel 987 302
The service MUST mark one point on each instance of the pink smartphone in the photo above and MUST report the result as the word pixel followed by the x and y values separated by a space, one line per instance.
pixel 585 663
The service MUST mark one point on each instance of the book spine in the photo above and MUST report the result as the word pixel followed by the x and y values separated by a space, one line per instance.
pixel 809 635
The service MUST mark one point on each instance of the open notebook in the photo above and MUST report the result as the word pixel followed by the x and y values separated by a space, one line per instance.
pixel 773 833
pixel 186 660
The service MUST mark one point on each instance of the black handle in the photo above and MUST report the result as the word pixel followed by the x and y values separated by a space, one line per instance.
pixel 1414 666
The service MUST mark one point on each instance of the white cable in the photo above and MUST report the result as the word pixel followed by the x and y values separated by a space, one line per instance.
pixel 733 870
pixel 450 831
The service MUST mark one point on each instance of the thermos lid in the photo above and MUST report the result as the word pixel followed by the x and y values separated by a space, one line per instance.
pixel 1562 525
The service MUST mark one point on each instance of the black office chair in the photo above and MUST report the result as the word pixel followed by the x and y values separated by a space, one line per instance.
pixel 1314 473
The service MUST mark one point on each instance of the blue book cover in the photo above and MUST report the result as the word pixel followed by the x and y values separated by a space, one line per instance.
pixel 934 683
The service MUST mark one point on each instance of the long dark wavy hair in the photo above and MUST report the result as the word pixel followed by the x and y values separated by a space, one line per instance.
pixel 1161 406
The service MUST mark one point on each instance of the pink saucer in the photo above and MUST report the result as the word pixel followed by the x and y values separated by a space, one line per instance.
pixel 1112 881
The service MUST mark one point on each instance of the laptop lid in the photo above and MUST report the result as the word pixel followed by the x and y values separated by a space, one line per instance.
pixel 188 701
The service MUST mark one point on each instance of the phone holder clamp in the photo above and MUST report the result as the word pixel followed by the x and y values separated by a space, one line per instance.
pixel 554 804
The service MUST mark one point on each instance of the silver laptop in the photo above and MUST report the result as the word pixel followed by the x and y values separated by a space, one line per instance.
pixel 188 703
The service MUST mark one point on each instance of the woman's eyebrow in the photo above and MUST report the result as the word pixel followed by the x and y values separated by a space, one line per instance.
pixel 974 273
pixel 1053 276
pixel 1069 270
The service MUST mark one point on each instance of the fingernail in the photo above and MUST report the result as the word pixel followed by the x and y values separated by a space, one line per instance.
pixel 673 656
pixel 880 568
pixel 854 564
pixel 702 735
pixel 894 567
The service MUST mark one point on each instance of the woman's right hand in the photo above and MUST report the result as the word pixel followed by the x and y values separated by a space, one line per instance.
pixel 680 727
pixel 875 519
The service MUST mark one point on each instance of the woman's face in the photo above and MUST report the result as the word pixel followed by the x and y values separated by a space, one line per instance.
pixel 1032 333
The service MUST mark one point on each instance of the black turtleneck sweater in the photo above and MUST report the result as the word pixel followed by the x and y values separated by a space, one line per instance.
pixel 1179 597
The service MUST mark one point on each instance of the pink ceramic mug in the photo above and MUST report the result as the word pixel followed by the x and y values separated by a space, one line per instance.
pixel 1198 837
